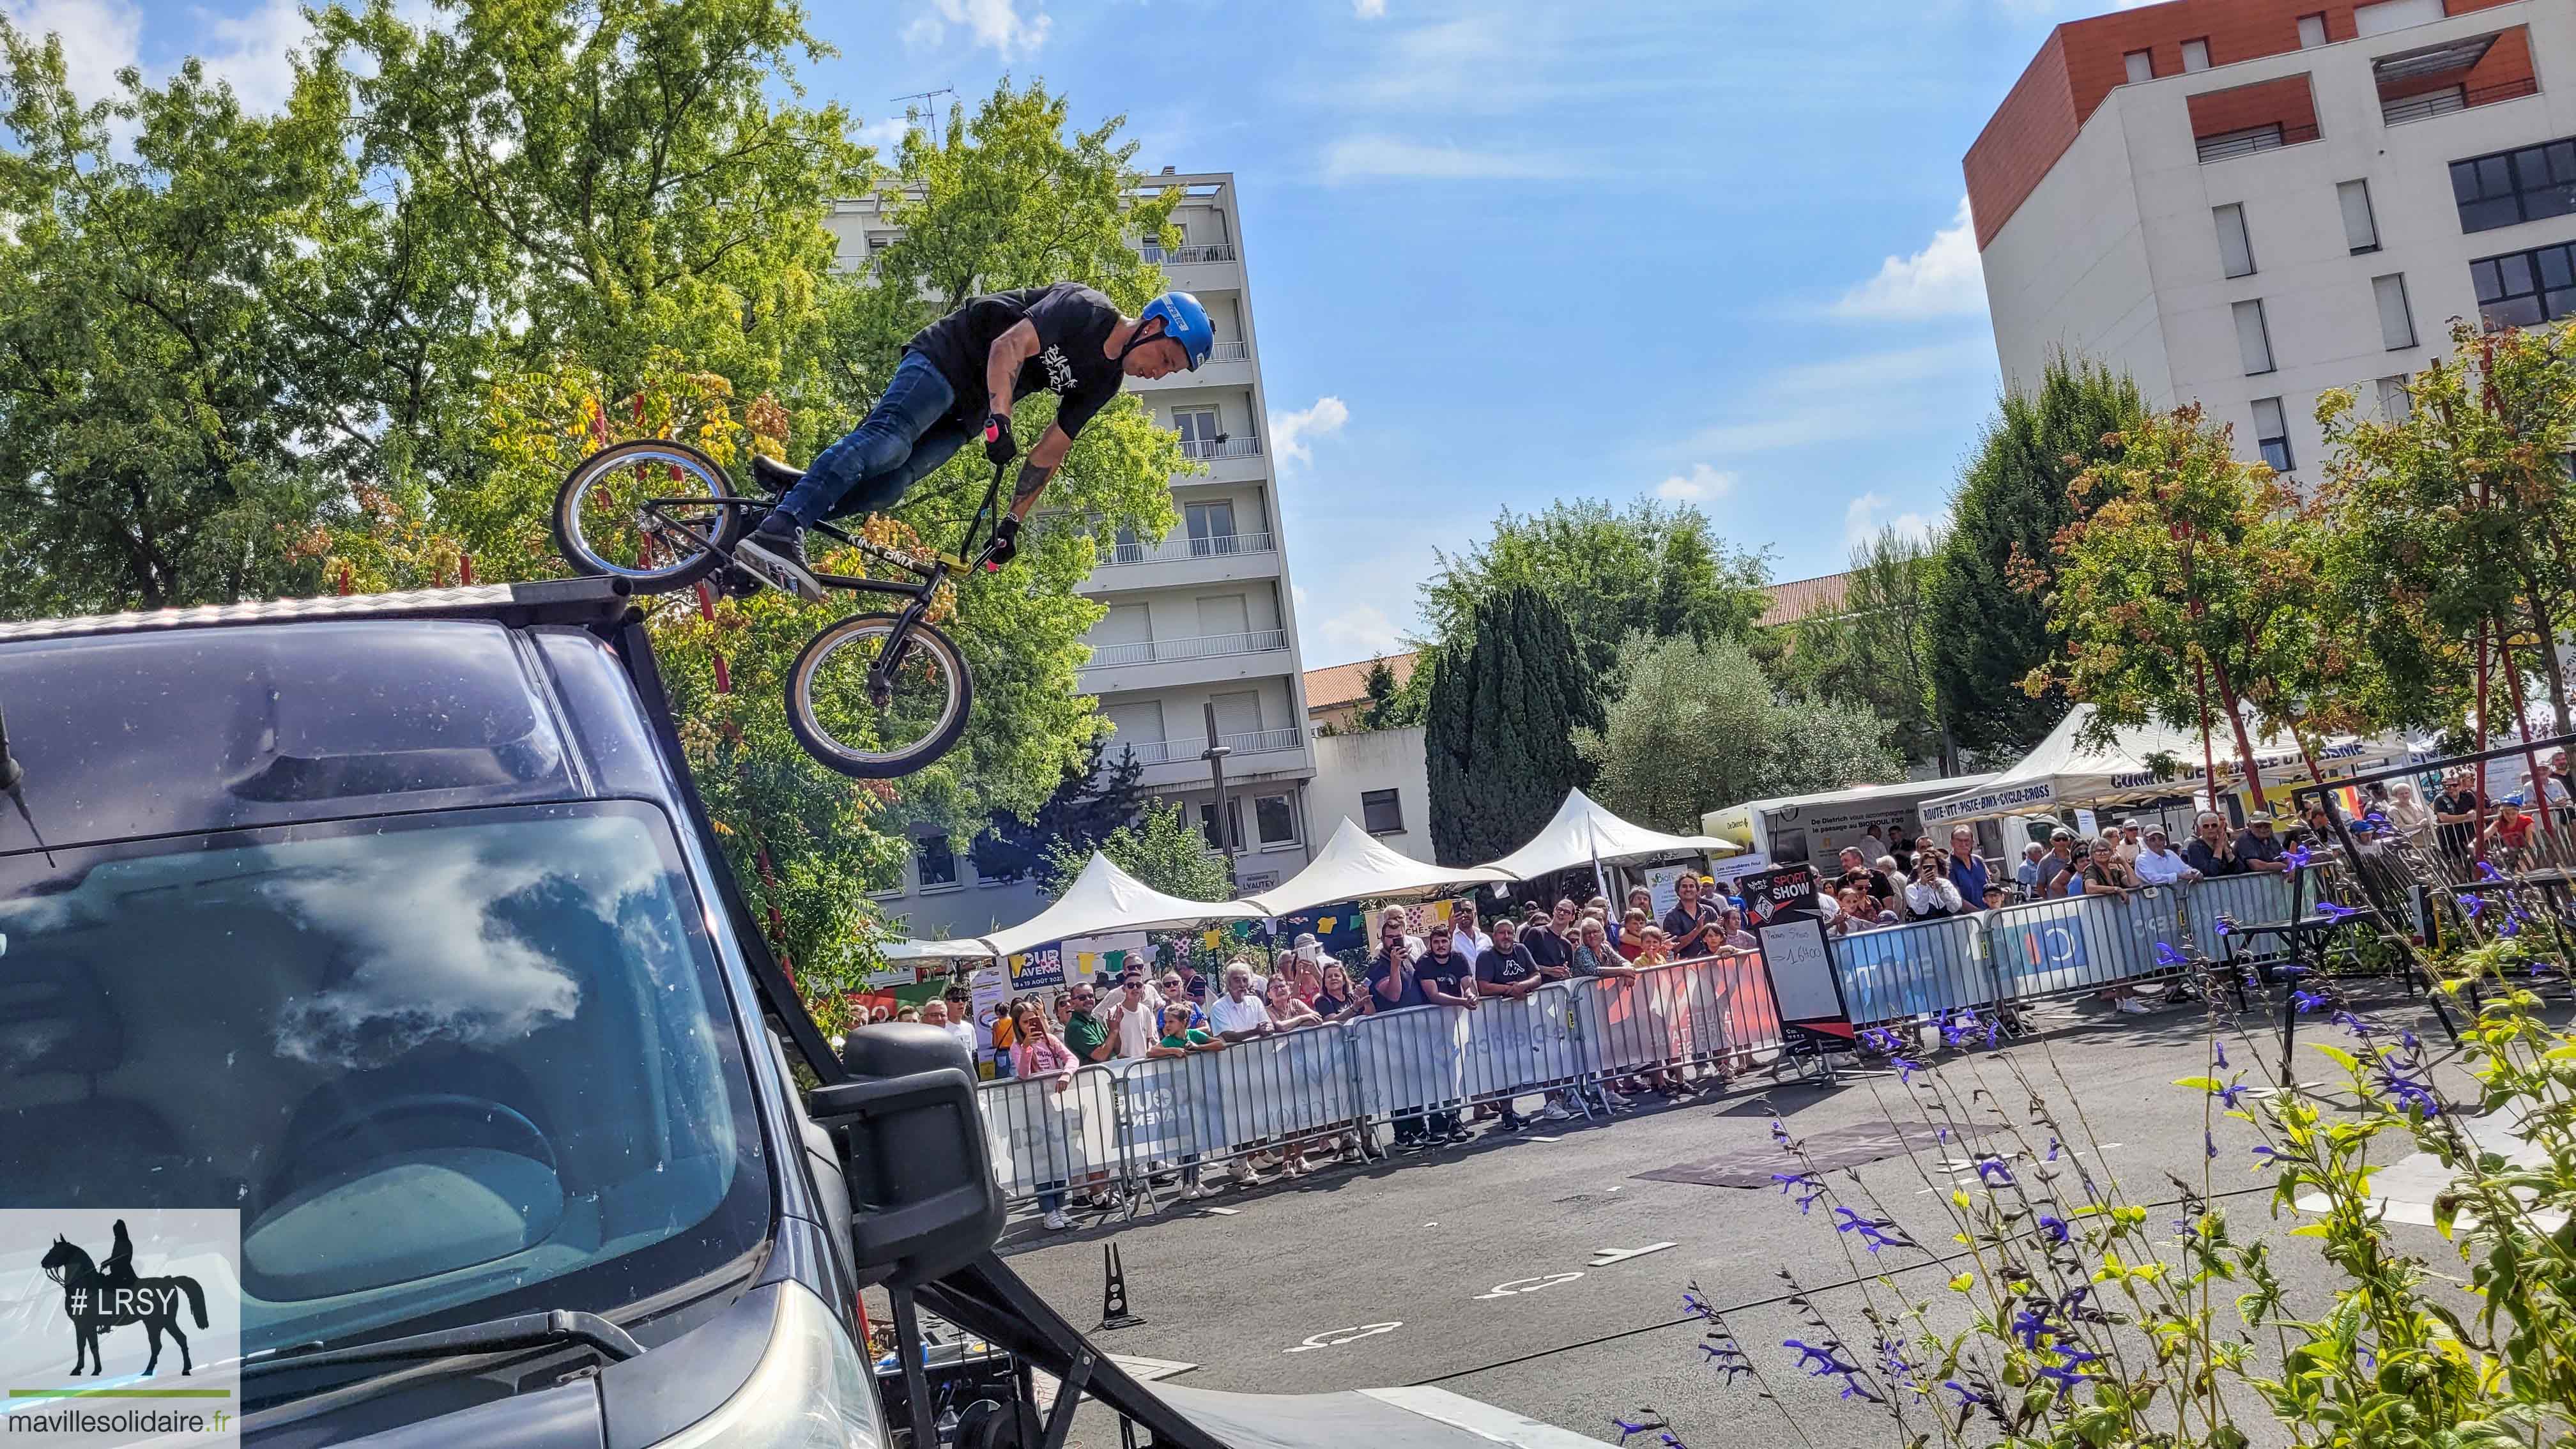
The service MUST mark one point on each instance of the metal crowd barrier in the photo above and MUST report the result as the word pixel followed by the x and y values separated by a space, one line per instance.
pixel 1125 1123
pixel 2045 948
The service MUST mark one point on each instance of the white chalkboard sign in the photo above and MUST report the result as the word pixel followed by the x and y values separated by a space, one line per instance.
pixel 1802 969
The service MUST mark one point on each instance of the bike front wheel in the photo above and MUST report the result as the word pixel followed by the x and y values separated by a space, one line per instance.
pixel 653 512
pixel 872 731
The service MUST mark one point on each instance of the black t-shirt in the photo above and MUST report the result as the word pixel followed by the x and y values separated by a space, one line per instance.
pixel 2201 856
pixel 1499 967
pixel 2455 837
pixel 1328 1006
pixel 1679 923
pixel 1546 947
pixel 1872 877
pixel 1073 323
pixel 1379 969
pixel 1456 968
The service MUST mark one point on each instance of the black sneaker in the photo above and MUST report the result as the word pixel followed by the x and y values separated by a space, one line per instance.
pixel 775 551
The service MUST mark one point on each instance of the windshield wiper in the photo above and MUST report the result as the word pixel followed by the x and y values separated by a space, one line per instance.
pixel 525 1330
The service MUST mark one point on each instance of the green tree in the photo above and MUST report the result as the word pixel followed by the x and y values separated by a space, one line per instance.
pixel 1695 727
pixel 1391 706
pixel 1986 634
pixel 2195 583
pixel 1088 805
pixel 1654 567
pixel 152 451
pixel 2451 523
pixel 1161 848
pixel 1499 736
pixel 1876 652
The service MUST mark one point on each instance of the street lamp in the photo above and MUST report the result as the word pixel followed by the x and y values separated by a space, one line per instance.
pixel 1215 755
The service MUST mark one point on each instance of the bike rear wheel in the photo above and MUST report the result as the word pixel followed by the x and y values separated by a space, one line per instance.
pixel 878 736
pixel 604 526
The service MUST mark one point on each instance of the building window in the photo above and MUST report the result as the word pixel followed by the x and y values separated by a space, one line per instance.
pixel 2253 339
pixel 2312 31
pixel 2195 55
pixel 2141 64
pixel 2529 184
pixel 2360 228
pixel 2388 15
pixel 2525 289
pixel 1381 813
pixel 937 863
pixel 1197 427
pixel 2395 403
pixel 1273 821
pixel 2235 248
pixel 2272 433
pixel 2396 323
pixel 1233 820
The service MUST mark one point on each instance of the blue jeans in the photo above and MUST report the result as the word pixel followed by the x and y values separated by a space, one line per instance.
pixel 906 435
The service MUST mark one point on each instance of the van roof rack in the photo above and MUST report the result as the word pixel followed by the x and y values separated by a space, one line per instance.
pixel 587 603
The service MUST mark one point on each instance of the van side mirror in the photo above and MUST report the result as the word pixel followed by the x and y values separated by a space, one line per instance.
pixel 923 1201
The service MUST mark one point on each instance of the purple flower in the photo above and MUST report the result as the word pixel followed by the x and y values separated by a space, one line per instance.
pixel 2509 927
pixel 2413 1093
pixel 1875 1233
pixel 1959 1030
pixel 2296 857
pixel 2407 1040
pixel 2270 1156
pixel 2226 927
pixel 2031 1325
pixel 2212 1144
pixel 2335 912
pixel 2476 903
pixel 2306 1001
pixel 2291 971
pixel 1812 1189
pixel 1969 1398
pixel 2488 872
pixel 1992 1172
pixel 2055 1227
pixel 2167 955
pixel 2355 1025
pixel 1779 1132
pixel 2220 1048
pixel 1905 1068
pixel 2053 1149
pixel 2232 1095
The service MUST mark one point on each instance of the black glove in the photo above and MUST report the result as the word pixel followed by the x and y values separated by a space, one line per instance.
pixel 999 447
pixel 1005 545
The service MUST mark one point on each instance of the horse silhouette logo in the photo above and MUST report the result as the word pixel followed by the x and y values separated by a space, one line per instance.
pixel 97 1298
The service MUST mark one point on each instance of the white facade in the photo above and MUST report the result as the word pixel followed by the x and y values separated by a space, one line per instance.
pixel 2121 254
pixel 1379 778
pixel 1205 617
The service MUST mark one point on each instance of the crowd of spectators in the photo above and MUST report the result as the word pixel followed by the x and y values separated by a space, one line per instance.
pixel 1458 962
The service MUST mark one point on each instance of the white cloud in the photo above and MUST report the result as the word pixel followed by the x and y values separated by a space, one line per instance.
pixel 252 51
pixel 885 133
pixel 100 37
pixel 1944 279
pixel 1391 158
pixel 1291 432
pixel 1369 9
pixel 1702 484
pixel 1362 631
pixel 1861 521
pixel 995 23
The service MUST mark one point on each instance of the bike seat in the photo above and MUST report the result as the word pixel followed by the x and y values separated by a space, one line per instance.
pixel 772 475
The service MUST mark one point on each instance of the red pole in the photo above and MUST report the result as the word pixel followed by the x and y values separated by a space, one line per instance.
pixel 2478 785
pixel 2530 756
pixel 2208 755
pixel 465 568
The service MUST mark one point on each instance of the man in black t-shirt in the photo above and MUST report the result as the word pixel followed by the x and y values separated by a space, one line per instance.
pixel 959 377
pixel 1507 972
pixel 1692 922
pixel 2456 808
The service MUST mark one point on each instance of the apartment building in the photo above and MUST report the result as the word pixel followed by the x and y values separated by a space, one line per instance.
pixel 1203 619
pixel 2247 202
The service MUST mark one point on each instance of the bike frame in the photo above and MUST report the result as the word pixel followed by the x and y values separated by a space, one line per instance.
pixel 917 597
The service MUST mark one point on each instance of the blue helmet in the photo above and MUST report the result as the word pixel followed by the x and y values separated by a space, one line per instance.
pixel 1185 322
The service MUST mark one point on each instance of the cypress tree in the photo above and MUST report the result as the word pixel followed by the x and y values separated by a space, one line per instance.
pixel 1499 739
pixel 1985 632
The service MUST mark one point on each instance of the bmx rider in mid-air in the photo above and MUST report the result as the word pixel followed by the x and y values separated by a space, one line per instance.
pixel 960 375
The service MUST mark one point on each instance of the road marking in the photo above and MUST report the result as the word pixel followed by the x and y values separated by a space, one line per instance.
pixel 1222 1212
pixel 1336 1337
pixel 1519 1286
pixel 1542 1139
pixel 1604 1257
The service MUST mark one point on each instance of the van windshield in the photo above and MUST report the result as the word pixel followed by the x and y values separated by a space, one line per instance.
pixel 446 1066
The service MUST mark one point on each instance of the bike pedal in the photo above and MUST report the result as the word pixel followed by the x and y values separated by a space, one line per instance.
pixel 739 583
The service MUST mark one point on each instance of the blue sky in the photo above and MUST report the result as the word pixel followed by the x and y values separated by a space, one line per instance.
pixel 1502 251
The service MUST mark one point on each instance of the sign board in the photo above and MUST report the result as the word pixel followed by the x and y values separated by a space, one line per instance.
pixel 1659 880
pixel 1041 967
pixel 988 991
pixel 1802 969
pixel 1736 867
pixel 1101 958
pixel 2086 827
pixel 1771 895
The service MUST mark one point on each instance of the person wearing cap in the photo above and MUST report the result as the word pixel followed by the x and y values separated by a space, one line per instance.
pixel 2158 863
pixel 2131 843
pixel 2057 869
pixel 2260 848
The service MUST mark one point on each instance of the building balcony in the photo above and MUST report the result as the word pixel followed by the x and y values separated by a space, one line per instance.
pixel 1166 752
pixel 2254 138
pixel 1229 365
pixel 1180 561
pixel 1262 755
pixel 1205 448
pixel 1172 651
pixel 2450 100
pixel 1214 267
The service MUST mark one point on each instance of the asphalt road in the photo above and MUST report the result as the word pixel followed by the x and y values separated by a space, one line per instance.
pixel 1487 1270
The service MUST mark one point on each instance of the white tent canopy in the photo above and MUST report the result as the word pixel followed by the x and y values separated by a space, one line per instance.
pixel 2061 770
pixel 1355 865
pixel 1583 833
pixel 1104 899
